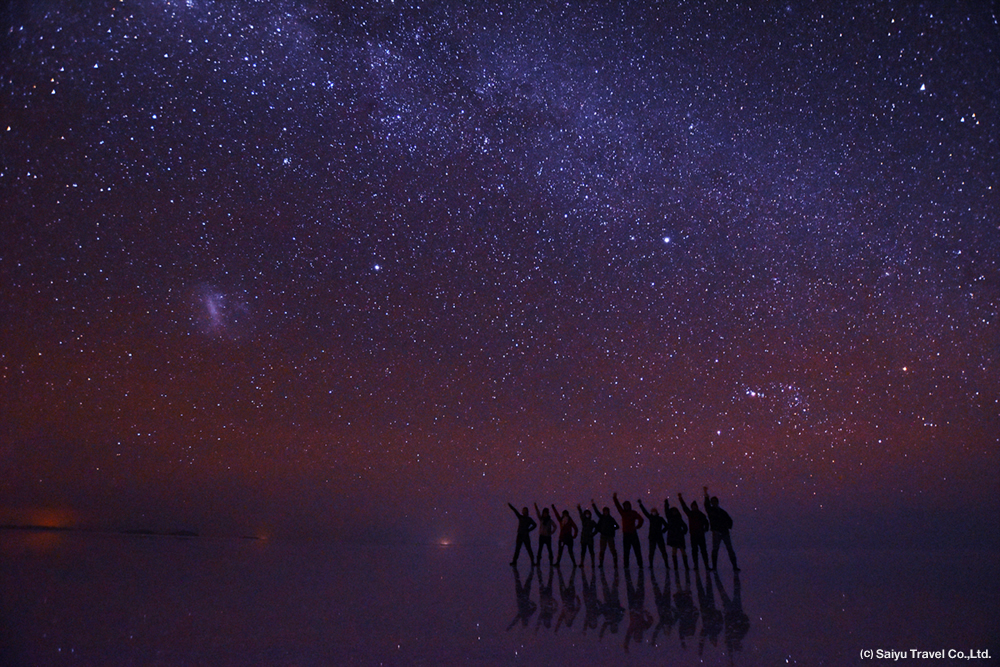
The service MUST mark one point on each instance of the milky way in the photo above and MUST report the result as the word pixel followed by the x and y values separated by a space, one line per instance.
pixel 299 262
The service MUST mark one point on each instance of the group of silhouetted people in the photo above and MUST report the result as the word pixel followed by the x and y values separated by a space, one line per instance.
pixel 666 530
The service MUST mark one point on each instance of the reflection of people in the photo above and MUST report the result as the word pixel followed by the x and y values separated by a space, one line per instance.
pixel 737 622
pixel 711 617
pixel 546 601
pixel 588 528
pixel 657 526
pixel 639 619
pixel 591 603
pixel 698 525
pixel 546 528
pixel 661 597
pixel 676 530
pixel 570 600
pixel 631 523
pixel 687 613
pixel 525 524
pixel 525 607
pixel 721 523
pixel 612 608
pixel 606 527
pixel 567 533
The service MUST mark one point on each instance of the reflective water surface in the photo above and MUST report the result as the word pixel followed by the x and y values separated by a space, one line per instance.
pixel 90 599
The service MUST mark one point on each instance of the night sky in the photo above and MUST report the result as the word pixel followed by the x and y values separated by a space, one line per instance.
pixel 303 267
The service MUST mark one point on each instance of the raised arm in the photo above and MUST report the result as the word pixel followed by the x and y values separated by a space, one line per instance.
pixel 597 512
pixel 618 505
pixel 513 509
pixel 537 512
pixel 555 511
pixel 644 510
pixel 687 510
pixel 666 506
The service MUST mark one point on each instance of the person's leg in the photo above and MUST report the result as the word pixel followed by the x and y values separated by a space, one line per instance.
pixel 704 552
pixel 517 550
pixel 604 546
pixel 716 541
pixel 732 553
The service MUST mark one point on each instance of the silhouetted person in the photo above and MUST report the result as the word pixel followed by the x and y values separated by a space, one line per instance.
pixel 588 528
pixel 567 533
pixel 546 529
pixel 525 524
pixel 606 527
pixel 720 523
pixel 698 526
pixel 525 607
pixel 657 527
pixel 676 530
pixel 631 523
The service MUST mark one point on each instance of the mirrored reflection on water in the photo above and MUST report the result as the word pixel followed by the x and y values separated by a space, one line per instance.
pixel 86 599
pixel 689 608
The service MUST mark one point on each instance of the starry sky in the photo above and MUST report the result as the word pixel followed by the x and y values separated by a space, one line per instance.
pixel 377 268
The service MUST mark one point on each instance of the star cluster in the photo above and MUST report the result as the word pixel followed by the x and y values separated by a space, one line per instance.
pixel 413 258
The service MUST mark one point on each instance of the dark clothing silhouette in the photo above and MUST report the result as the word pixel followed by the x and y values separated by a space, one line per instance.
pixel 631 523
pixel 588 528
pixel 657 527
pixel 546 529
pixel 676 530
pixel 698 525
pixel 525 524
pixel 720 523
pixel 606 527
pixel 567 533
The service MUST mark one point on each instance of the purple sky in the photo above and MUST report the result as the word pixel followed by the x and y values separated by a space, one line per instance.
pixel 279 268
